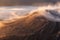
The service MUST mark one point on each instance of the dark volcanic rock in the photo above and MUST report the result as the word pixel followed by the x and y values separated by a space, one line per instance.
pixel 30 28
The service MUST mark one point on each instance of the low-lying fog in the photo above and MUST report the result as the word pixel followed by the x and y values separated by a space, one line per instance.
pixel 9 12
pixel 13 11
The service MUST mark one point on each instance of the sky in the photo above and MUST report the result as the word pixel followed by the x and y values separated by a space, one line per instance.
pixel 24 2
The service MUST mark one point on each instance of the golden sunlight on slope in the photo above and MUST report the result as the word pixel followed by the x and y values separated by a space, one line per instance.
pixel 10 20
pixel 1 24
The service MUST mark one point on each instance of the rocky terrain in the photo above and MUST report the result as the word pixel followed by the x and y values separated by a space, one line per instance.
pixel 33 26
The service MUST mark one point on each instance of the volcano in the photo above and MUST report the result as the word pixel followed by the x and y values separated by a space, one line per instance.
pixel 30 27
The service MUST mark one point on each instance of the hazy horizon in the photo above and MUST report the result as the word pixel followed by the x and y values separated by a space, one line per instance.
pixel 26 2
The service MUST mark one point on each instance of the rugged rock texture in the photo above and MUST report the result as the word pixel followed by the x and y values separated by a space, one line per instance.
pixel 30 28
